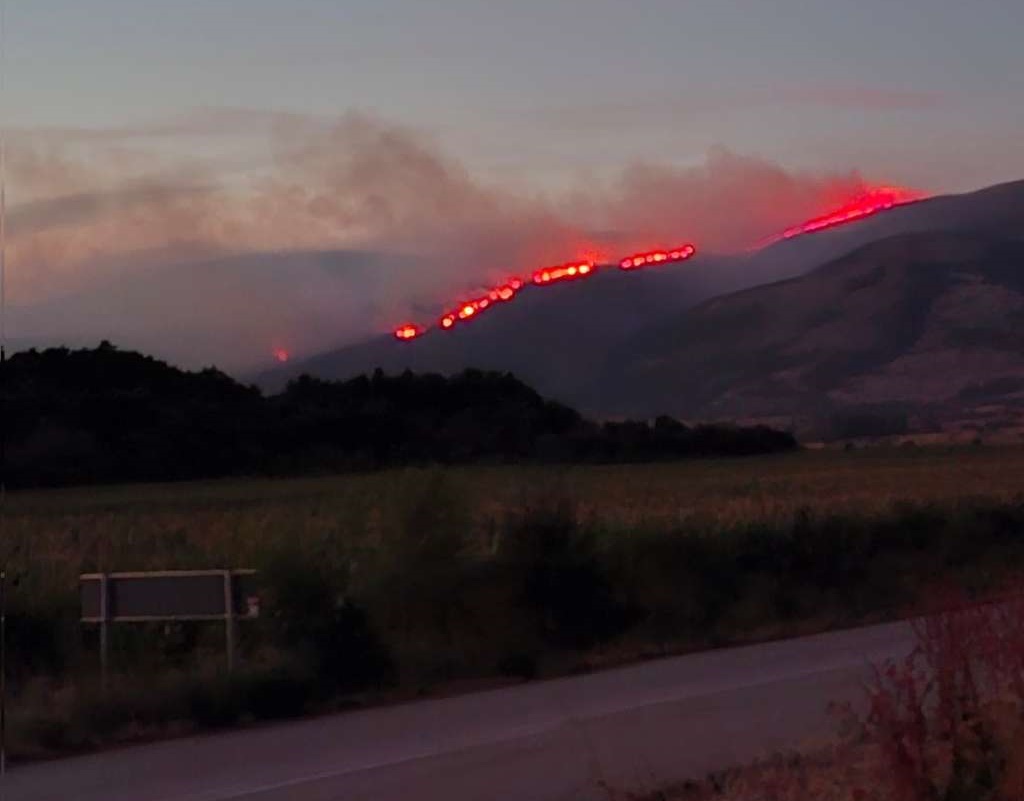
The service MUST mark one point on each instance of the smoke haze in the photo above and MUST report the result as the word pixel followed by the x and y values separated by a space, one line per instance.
pixel 346 229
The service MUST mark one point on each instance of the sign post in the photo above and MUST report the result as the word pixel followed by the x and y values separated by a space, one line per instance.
pixel 229 621
pixel 104 630
pixel 220 595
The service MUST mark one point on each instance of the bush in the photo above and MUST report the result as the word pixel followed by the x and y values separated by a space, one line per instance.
pixel 312 618
pixel 215 704
pixel 279 692
pixel 948 720
pixel 41 639
pixel 561 578
pixel 518 665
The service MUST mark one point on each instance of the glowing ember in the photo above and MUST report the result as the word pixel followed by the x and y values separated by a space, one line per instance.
pixel 408 332
pixel 871 202
pixel 505 292
pixel 472 308
pixel 658 257
pixel 281 355
pixel 564 272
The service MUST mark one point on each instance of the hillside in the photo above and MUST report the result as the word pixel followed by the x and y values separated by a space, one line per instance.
pixel 557 337
pixel 931 323
pixel 599 345
pixel 225 311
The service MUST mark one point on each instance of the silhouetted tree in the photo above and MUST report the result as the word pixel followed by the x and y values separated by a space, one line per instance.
pixel 109 415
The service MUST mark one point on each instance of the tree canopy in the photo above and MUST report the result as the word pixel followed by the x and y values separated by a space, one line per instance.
pixel 105 415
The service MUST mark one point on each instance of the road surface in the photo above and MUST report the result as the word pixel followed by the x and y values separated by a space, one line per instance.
pixel 634 728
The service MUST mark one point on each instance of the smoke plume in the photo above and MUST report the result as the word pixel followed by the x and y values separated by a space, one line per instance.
pixel 172 255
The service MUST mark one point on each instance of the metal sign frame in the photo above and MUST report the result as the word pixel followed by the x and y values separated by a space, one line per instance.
pixel 229 610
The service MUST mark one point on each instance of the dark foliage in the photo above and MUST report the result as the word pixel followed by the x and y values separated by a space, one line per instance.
pixel 564 582
pixel 108 415
pixel 554 586
pixel 313 618
pixel 869 421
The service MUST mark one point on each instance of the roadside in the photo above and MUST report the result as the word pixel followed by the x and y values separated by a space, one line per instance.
pixel 639 727
pixel 945 722
pixel 442 597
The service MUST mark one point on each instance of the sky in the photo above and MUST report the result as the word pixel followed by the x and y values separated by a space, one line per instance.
pixel 932 89
pixel 143 117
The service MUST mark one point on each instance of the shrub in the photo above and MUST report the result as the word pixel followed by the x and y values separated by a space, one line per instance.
pixel 281 691
pixel 215 704
pixel 313 619
pixel 561 579
pixel 949 718
pixel 41 639
pixel 518 665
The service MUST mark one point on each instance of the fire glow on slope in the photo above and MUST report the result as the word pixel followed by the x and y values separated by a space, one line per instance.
pixel 564 272
pixel 471 308
pixel 658 257
pixel 871 201
pixel 408 332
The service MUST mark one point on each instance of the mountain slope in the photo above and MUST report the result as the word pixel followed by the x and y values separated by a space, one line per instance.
pixel 230 311
pixel 918 319
pixel 587 343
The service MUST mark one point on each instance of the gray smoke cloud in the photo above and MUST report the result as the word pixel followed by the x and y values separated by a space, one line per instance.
pixel 167 253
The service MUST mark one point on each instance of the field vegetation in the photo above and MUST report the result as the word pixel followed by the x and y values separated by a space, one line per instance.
pixel 410 581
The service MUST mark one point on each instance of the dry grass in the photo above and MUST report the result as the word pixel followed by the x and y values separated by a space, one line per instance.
pixel 841 773
pixel 233 522
pixel 437 534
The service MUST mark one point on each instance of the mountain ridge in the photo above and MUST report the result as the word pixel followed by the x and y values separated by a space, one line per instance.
pixel 588 344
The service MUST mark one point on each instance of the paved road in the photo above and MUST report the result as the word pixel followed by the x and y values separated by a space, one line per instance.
pixel 633 728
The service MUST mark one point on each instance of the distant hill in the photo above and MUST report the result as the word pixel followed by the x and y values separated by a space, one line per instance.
pixel 591 344
pixel 225 311
pixel 918 321
pixel 558 336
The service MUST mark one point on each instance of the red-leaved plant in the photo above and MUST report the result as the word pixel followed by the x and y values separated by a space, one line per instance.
pixel 948 720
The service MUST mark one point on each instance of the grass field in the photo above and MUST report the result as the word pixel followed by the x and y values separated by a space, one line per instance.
pixel 218 520
pixel 467 573
pixel 54 535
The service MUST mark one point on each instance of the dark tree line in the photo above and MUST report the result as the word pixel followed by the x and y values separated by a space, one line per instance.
pixel 107 415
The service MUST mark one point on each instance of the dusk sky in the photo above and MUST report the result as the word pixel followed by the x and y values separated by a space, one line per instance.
pixel 146 134
pixel 924 91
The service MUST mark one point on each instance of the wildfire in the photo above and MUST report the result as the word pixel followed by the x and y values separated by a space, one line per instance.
pixel 408 332
pixel 683 253
pixel 564 272
pixel 871 201
pixel 471 308
pixel 506 291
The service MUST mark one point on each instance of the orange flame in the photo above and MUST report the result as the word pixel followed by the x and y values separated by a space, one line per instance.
pixel 871 201
pixel 472 308
pixel 682 253
pixel 564 272
pixel 408 332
